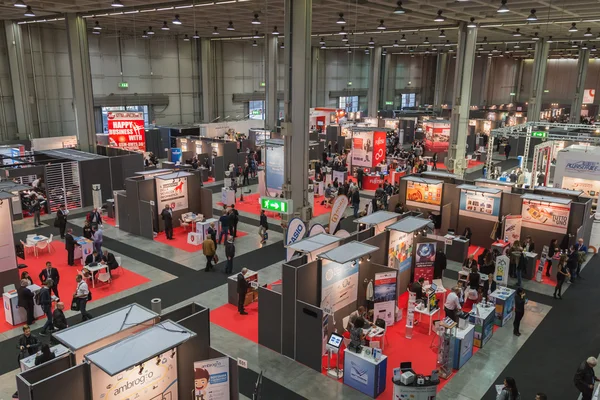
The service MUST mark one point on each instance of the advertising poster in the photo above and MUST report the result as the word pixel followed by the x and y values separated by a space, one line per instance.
pixel 400 250
pixel 545 216
pixel 379 149
pixel 211 379
pixel 337 212
pixel 172 192
pixel 437 136
pixel 384 296
pixel 588 96
pixel 423 195
pixel 339 285
pixel 126 130
pixel 512 227
pixel 176 154
pixel 158 380
pixel 590 188
pixel 295 232
pixel 501 273
pixel 274 168
pixel 362 149
pixel 425 257
pixel 480 205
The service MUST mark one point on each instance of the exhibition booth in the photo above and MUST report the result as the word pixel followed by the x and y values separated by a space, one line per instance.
pixel 229 129
pixel 577 168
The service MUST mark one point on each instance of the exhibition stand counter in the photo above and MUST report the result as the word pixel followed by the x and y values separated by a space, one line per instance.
pixel 15 315
pixel 457 247
pixel 29 362
pixel 501 246
pixel 84 247
pixel 504 298
pixel 371 181
pixel 482 316
pixel 530 259
pixel 463 346
pixel 364 372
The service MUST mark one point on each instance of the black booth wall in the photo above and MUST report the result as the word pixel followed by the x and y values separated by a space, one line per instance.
pixel 309 335
pixel 123 167
pixel 269 318
pixel 289 274
pixel 95 171
pixel 70 384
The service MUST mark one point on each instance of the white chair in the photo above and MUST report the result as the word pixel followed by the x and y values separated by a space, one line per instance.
pixel 30 247
pixel 345 322
pixel 41 246
pixel 383 337
pixel 103 277
pixel 50 246
pixel 120 269
pixel 184 224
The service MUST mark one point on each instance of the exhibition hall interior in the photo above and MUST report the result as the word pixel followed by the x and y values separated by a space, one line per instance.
pixel 299 199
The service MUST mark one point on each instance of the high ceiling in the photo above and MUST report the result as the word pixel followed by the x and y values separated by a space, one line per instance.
pixel 362 19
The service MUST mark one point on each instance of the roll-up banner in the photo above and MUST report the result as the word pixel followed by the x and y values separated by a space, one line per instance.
pixel 295 232
pixel 400 250
pixel 425 257
pixel 384 296
pixel 337 212
pixel 274 168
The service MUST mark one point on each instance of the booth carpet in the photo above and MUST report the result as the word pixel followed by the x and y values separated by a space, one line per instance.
pixel 180 237
pixel 251 204
pixel 122 280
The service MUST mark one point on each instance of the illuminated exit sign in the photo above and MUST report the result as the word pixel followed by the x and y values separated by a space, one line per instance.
pixel 276 205
pixel 389 103
pixel 123 85
pixel 539 134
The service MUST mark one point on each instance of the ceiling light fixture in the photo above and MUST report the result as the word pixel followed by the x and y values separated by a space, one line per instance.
pixel 165 27
pixel 20 4
pixel 381 26
pixel 196 36
pixel 116 3
pixel 517 45
pixel 275 31
pixel 588 33
pixel 282 46
pixel 150 31
pixel 342 31
pixel 322 46
pixel 403 38
pixel 230 26
pixel 549 40
pixel 177 21
pixel 254 44
pixel 503 7
pixel 399 9
pixel 536 37
pixel 215 31
pixel 256 35
pixel 439 17
pixel 529 47
pixel 574 45
pixel 442 34
pixel 593 48
pixel 584 46
pixel 367 51
pixel 186 38
pixel 345 38
pixel 396 43
pixel 480 48
pixel 472 23
pixel 349 51
pixel 447 44
pixel 532 17
pixel 322 41
pixel 517 32
pixel 426 41
pixel 573 27
pixel 255 20
pixel 29 12
pixel 96 32
pixel 341 19
pixel 97 26
pixel 144 35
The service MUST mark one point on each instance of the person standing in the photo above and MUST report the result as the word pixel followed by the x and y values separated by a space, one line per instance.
pixel 36 209
pixel 585 378
pixel 552 249
pixel 263 227
pixel 229 254
pixel 98 238
pixel 242 289
pixel 246 181
pixel 581 250
pixel 212 232
pixel 509 391
pixel 440 264
pixel 46 355
pixel 562 273
pixel 81 296
pixel 58 317
pixel 50 273
pixel 355 201
pixel 25 300
pixel 434 159
pixel 520 301
pixel 234 219
pixel 452 304
pixel 224 221
pixel 61 220
pixel 167 216
pixel 87 230
pixel 507 149
pixel 360 173
pixel 209 250
pixel 70 247
pixel 95 218
pixel 28 343
pixel 45 301
pixel 572 262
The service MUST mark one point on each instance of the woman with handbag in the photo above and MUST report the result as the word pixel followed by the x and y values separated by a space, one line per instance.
pixel 80 298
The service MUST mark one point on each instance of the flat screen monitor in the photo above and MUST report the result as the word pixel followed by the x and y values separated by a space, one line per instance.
pixel 434 287
pixel 335 341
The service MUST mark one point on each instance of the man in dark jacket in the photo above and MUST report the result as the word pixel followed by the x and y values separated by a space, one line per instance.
pixel 356 201
pixel 234 218
pixel 61 219
pixel 440 264
pixel 167 216
pixel 572 262
pixel 585 378
pixel 111 261
pixel 58 317
pixel 263 227
pixel 70 247
pixel 25 300
pixel 45 300
pixel 229 254
pixel 95 218
pixel 50 273
pixel 360 173
pixel 242 289
pixel 246 181
pixel 28 343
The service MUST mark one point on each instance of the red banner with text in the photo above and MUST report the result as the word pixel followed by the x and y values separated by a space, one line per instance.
pixel 126 130
pixel 379 147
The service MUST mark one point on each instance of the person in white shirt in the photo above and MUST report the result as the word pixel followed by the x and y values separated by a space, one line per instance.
pixel 452 305
pixel 81 296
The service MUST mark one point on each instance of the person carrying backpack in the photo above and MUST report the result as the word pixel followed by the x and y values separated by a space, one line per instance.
pixel 44 299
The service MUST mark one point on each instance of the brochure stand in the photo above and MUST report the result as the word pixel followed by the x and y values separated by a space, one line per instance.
pixel 410 314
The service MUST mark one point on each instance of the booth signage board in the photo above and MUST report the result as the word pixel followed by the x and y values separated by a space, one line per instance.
pixel 437 136
pixel 545 216
pixel 424 195
pixel 172 192
pixel 400 250
pixel 362 149
pixel 274 167
pixel 504 188
pixel 379 150
pixel 425 257
pixel 211 379
pixel 588 96
pixel 589 187
pixel 415 392
pixel 295 231
pixel 339 285
pixel 337 211
pixel 176 154
pixel 512 228
pixel 275 205
pixel 384 296
pixel 126 130
pixel 480 205
pixel 587 168
pixel 157 381
pixel 501 273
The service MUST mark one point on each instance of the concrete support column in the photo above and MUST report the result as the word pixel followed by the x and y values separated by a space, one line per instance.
pixel 374 82
pixel 518 80
pixel 208 82
pixel 582 67
pixel 540 63
pixel 81 81
pixel 18 77
pixel 440 81
pixel 389 80
pixel 488 79
pixel 271 103
pixel 298 24
pixel 314 77
pixel 463 80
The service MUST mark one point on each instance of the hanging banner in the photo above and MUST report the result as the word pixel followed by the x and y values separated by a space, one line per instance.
pixel 295 232
pixel 512 228
pixel 379 148
pixel 274 168
pixel 480 205
pixel 337 212
pixel 550 217
pixel 384 296
pixel 316 229
pixel 400 250
pixel 126 130
pixel 339 285
pixel 362 149
pixel 501 273
pixel 173 192
pixel 425 257
pixel 211 379
pixel 424 195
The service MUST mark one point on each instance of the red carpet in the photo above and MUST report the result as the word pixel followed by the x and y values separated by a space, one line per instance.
pixel 109 221
pixel 180 240
pixel 122 280
pixel 476 251
pixel 246 326
pixel 251 204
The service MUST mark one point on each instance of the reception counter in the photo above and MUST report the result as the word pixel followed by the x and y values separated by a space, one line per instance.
pixel 483 319
pixel 463 346
pixel 414 392
pixel 505 304
pixel 15 315
pixel 372 181
pixel 365 374
pixel 458 249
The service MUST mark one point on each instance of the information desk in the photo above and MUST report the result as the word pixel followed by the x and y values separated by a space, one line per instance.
pixel 501 246
pixel 463 346
pixel 365 374
pixel 84 247
pixel 372 181
pixel 414 392
pixel 15 315
pixel 29 362
pixel 431 313
pixel 227 196
pixel 202 228
pixel 483 318
pixel 505 304
pixel 530 259
pixel 251 295
pixel 458 249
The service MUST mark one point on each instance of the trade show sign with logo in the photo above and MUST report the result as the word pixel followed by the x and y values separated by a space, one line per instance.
pixel 545 216
pixel 211 379
pixel 339 285
pixel 158 380
pixel 512 228
pixel 501 273
pixel 590 168
pixel 172 192
pixel 126 130
pixel 425 257
pixel 588 96
pixel 274 168
pixel 337 212
pixel 424 195
pixel 437 136
pixel 379 149
pixel 295 232
pixel 480 205
pixel 384 296
pixel 400 250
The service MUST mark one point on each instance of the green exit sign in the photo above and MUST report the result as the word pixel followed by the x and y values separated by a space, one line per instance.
pixel 123 85
pixel 263 84
pixel 276 205
pixel 539 134
pixel 389 103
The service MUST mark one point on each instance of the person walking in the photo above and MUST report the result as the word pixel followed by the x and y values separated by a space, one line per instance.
pixel 355 201
pixel 507 149
pixel 45 301
pixel 585 378
pixel 167 216
pixel 98 238
pixel 242 289
pixel 234 219
pixel 434 160
pixel 61 220
pixel 94 218
pixel 562 273
pixel 224 221
pixel 572 261
pixel 581 250
pixel 263 227
pixel 552 249
pixel 58 317
pixel 50 273
pixel 81 296
pixel 520 301
pixel 246 181
pixel 70 247
pixel 209 250
pixel 36 209
pixel 360 173
pixel 25 300
pixel 509 391
pixel 212 232
pixel 87 230
pixel 229 254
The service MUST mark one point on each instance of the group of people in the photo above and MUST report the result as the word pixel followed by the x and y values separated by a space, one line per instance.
pixel 228 223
